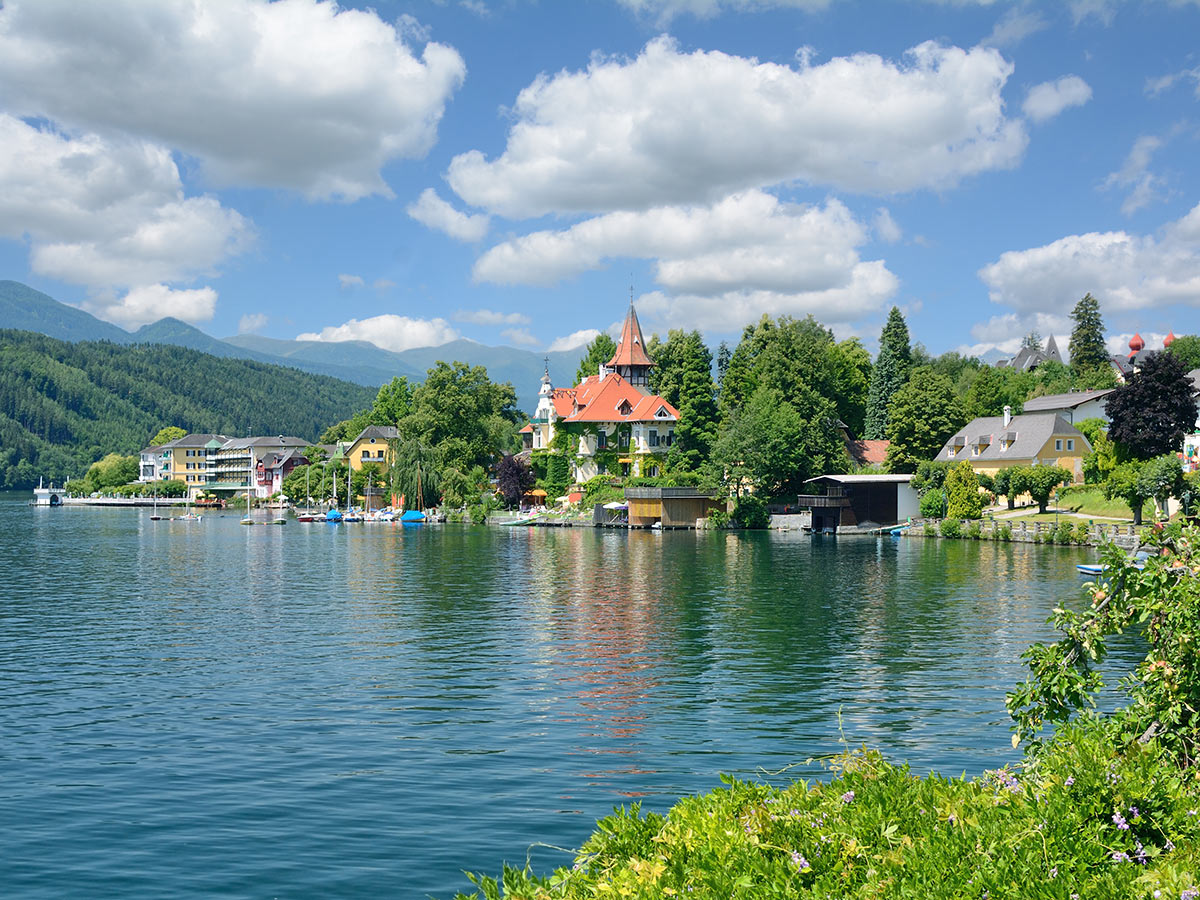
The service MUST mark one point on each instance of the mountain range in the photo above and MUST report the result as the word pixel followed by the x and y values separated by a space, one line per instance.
pixel 25 309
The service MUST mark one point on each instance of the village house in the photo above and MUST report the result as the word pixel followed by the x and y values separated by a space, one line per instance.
pixel 1029 358
pixel 217 464
pixel 615 424
pixel 1074 406
pixel 992 443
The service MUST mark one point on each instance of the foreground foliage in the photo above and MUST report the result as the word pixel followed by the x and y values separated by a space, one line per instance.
pixel 1109 807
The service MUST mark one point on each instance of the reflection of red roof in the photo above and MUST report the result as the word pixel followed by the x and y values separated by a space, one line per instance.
pixel 631 351
pixel 612 400
pixel 868 453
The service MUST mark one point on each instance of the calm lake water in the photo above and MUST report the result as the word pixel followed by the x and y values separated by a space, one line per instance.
pixel 199 709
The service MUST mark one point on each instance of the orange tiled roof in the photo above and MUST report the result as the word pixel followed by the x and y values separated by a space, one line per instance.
pixel 868 453
pixel 631 351
pixel 528 429
pixel 594 400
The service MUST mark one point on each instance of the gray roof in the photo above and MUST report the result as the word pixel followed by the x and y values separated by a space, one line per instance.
pixel 193 440
pixel 379 432
pixel 1031 431
pixel 279 440
pixel 1064 401
pixel 1028 359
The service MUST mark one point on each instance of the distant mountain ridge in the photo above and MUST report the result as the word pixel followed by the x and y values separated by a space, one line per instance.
pixel 25 309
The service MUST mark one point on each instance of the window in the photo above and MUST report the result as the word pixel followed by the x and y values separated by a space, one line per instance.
pixel 1070 443
pixel 1058 443
pixel 624 440
pixel 951 452
pixel 652 471
pixel 670 437
pixel 601 441
pixel 653 440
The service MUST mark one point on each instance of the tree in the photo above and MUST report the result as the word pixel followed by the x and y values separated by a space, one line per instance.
pixel 112 471
pixel 166 435
pixel 1003 486
pixel 1031 341
pixel 1152 412
pixel 889 374
pixel 987 395
pixel 1041 482
pixel 414 472
pixel 850 371
pixel 1186 348
pixel 963 500
pixel 1160 479
pixel 1124 484
pixel 924 414
pixel 598 353
pixel 514 479
pixel 1103 456
pixel 1087 349
pixel 930 476
pixel 683 377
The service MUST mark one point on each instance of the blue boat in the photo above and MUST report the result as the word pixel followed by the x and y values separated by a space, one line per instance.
pixel 334 517
pixel 412 517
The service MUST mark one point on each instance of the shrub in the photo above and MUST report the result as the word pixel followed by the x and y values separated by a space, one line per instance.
pixel 751 512
pixel 951 528
pixel 963 500
pixel 477 513
pixel 719 518
pixel 1002 533
pixel 974 530
pixel 933 504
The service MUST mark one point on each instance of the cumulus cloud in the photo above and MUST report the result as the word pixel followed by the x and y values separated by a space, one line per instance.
pixel 490 317
pixel 1014 26
pixel 634 134
pixel 433 212
pixel 1048 99
pixel 300 94
pixel 886 228
pixel 391 332
pixel 1135 175
pixel 520 337
pixel 1125 271
pixel 149 303
pixel 346 282
pixel 733 260
pixel 1004 333
pixel 663 11
pixel 108 213
pixel 574 340
pixel 252 322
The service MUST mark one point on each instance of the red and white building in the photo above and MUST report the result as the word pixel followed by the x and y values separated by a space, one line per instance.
pixel 610 417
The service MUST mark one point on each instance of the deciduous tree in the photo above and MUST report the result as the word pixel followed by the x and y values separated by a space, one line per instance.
pixel 599 352
pixel 924 414
pixel 1153 411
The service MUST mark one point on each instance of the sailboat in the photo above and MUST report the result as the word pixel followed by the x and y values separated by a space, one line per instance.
pixel 249 483
pixel 154 516
pixel 351 515
pixel 307 514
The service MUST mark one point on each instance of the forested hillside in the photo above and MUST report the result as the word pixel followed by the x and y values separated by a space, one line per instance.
pixel 64 405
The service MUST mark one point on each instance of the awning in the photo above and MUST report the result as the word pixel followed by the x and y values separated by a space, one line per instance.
pixel 625 459
pixel 616 504
pixel 537 492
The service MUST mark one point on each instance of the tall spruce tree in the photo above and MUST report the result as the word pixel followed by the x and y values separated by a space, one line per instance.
pixel 888 375
pixel 683 377
pixel 1087 349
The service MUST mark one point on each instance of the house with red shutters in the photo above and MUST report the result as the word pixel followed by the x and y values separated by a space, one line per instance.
pixel 610 423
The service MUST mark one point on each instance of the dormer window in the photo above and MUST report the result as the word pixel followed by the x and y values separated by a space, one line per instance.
pixel 625 408
pixel 662 413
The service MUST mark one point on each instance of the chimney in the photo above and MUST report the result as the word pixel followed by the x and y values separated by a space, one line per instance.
pixel 1007 415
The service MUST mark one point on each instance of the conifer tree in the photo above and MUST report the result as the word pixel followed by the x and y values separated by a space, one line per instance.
pixel 888 375
pixel 1087 337
pixel 599 351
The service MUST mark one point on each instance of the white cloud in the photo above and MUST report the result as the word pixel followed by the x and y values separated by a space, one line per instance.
pixel 663 11
pixel 1004 333
pixel 1048 99
pixel 886 227
pixel 490 317
pixel 1119 343
pixel 108 213
pixel 573 340
pixel 383 284
pixel 1123 271
pixel 299 94
pixel 670 127
pixel 519 336
pixel 1135 175
pixel 1014 26
pixel 1102 11
pixel 731 261
pixel 346 282
pixel 252 322
pixel 1158 85
pixel 149 303
pixel 434 212
pixel 391 332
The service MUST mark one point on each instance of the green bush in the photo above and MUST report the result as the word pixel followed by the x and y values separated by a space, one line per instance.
pixel 930 529
pixel 751 512
pixel 933 504
pixel 477 513
pixel 719 518
pixel 963 500
pixel 1002 533
pixel 951 528
pixel 974 530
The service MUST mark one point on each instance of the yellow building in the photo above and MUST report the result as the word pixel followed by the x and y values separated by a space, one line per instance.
pixel 188 458
pixel 992 443
pixel 371 446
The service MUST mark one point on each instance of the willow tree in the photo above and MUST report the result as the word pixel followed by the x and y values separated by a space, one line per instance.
pixel 414 471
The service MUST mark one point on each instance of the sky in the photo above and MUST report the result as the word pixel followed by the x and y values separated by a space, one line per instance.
pixel 515 171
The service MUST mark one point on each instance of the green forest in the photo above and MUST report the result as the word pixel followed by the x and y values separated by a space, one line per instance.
pixel 65 405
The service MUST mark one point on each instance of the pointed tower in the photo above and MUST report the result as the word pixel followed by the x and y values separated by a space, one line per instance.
pixel 1170 339
pixel 544 416
pixel 1051 352
pixel 631 361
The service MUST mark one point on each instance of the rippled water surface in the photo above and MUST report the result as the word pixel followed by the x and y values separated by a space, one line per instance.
pixel 198 709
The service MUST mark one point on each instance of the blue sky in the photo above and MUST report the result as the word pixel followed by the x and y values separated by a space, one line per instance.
pixel 507 170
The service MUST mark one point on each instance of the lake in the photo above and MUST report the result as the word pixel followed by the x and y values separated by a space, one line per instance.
pixel 199 709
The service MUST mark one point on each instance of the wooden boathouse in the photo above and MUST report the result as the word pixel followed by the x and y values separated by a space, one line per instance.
pixel 673 507
pixel 850 503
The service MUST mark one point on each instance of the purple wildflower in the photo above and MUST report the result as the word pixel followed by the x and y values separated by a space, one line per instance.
pixel 1120 856
pixel 1054 871
pixel 1189 894
pixel 848 797
pixel 1119 821
pixel 1070 780
pixel 800 862
pixel 1133 812
pixel 1140 854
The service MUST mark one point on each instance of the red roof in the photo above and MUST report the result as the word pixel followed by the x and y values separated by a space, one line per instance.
pixel 631 351
pixel 868 453
pixel 612 400
pixel 528 429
